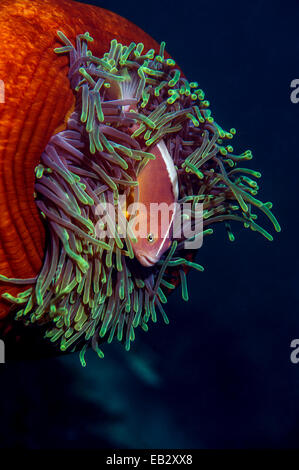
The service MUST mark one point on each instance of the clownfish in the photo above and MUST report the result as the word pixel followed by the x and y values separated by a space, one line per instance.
pixel 157 187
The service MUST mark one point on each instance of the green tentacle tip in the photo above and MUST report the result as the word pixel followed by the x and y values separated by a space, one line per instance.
pixel 230 234
pixel 185 295
pixel 82 356
pixel 276 225
pixel 86 36
pixel 170 62
pixel 61 50
pixel 11 298
pixel 39 171
pixel 63 37
pixel 196 266
pixel 99 352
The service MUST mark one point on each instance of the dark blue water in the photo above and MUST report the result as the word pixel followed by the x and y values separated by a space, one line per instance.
pixel 220 374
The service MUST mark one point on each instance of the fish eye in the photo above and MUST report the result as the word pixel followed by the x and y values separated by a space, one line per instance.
pixel 150 238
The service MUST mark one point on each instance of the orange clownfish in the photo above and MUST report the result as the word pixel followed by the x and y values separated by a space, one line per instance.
pixel 157 195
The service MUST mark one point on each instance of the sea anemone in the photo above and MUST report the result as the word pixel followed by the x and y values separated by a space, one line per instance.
pixel 90 289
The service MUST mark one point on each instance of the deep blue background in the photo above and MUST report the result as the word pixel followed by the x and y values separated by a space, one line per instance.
pixel 220 374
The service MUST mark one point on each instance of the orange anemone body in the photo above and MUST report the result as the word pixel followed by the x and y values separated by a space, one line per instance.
pixel 38 100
